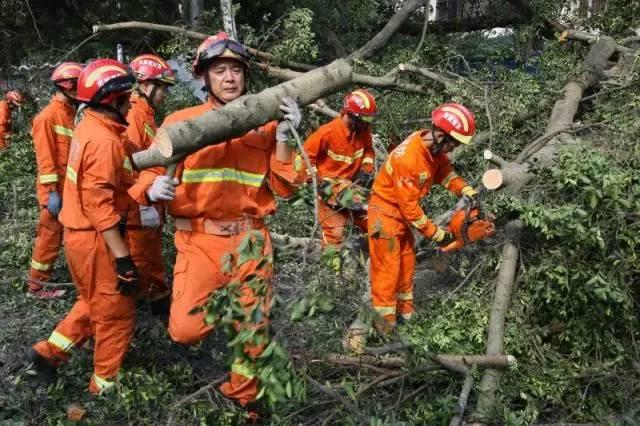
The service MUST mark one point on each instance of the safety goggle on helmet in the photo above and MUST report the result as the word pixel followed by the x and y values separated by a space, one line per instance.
pixel 219 46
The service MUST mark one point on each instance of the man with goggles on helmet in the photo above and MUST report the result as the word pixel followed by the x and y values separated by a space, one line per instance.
pixel 219 198
pixel 342 154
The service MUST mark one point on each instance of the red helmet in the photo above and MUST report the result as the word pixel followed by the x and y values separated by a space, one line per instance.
pixel 456 121
pixel 102 81
pixel 362 104
pixel 66 75
pixel 151 67
pixel 14 97
pixel 218 46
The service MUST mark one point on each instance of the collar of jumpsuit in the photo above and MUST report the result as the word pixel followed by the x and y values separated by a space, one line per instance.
pixel 142 103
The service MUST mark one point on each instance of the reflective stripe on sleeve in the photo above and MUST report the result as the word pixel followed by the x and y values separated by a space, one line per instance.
pixel 241 367
pixel 61 130
pixel 385 310
pixel 420 222
pixel 50 178
pixel 447 180
pixel 222 175
pixel 149 130
pixel 72 175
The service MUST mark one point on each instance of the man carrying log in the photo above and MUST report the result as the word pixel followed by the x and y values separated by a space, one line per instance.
pixel 342 154
pixel 394 208
pixel 220 197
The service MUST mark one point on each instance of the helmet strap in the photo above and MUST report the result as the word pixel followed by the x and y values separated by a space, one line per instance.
pixel 151 95
pixel 72 101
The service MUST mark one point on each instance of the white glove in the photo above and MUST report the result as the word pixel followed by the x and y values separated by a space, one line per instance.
pixel 292 115
pixel 149 217
pixel 163 189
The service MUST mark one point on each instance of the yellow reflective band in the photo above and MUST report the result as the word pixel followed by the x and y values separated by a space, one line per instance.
pixel 127 165
pixel 420 222
pixel 422 178
pixel 344 158
pixel 40 266
pixel 240 367
pixel 72 175
pixel 297 163
pixel 61 130
pixel 469 191
pixel 367 160
pixel 52 178
pixel 149 130
pixel 60 341
pixel 439 235
pixel 405 296
pixel 385 310
pixel 222 175
pixel 388 167
pixel 448 179
pixel 103 384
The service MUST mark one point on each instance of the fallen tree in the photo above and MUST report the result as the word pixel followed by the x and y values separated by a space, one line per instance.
pixel 513 176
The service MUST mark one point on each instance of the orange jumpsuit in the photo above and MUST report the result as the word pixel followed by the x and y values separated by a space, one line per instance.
pixel 145 244
pixel 98 175
pixel 338 155
pixel 5 124
pixel 52 131
pixel 225 192
pixel 394 209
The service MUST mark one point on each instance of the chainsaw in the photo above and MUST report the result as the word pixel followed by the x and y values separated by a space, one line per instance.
pixel 469 225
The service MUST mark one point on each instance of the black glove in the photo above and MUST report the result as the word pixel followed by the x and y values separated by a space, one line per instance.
pixel 128 277
pixel 362 178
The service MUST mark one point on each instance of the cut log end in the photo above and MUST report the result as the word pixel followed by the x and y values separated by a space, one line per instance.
pixel 492 179
pixel 487 154
pixel 95 28
pixel 162 142
pixel 564 36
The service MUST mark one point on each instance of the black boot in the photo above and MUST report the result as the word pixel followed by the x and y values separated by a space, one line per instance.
pixel 45 372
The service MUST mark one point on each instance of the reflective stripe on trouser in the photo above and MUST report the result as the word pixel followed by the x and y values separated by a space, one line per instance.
pixel 45 248
pixel 334 223
pixel 198 273
pixel 392 265
pixel 100 310
pixel 145 246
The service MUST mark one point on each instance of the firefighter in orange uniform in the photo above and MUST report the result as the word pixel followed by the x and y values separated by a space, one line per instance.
pixel 98 174
pixel 52 131
pixel 394 208
pixel 12 99
pixel 342 153
pixel 224 193
pixel 144 223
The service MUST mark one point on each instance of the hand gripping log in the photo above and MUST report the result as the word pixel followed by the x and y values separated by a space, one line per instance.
pixel 241 115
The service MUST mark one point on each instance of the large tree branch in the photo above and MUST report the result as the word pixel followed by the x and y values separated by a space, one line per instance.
pixel 137 25
pixel 392 26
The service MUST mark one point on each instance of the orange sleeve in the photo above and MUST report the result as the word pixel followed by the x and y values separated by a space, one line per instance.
pixel 44 142
pixel 135 130
pixel 315 146
pixel 369 154
pixel 100 178
pixel 5 121
pixel 449 179
pixel 407 191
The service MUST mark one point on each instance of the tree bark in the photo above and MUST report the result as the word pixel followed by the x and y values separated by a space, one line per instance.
pixel 195 8
pixel 228 20
pixel 392 26
pixel 240 116
pixel 459 362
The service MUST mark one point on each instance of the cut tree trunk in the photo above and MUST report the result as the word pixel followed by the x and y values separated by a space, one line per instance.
pixel 240 116
pixel 514 176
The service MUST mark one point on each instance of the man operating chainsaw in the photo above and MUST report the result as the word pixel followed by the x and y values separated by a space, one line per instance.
pixel 394 209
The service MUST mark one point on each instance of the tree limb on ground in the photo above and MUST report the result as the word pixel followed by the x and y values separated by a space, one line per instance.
pixel 562 118
pixel 446 360
pixel 392 26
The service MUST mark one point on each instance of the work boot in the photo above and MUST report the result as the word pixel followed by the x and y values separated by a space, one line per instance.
pixel 406 318
pixel 43 294
pixel 45 372
pixel 160 307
